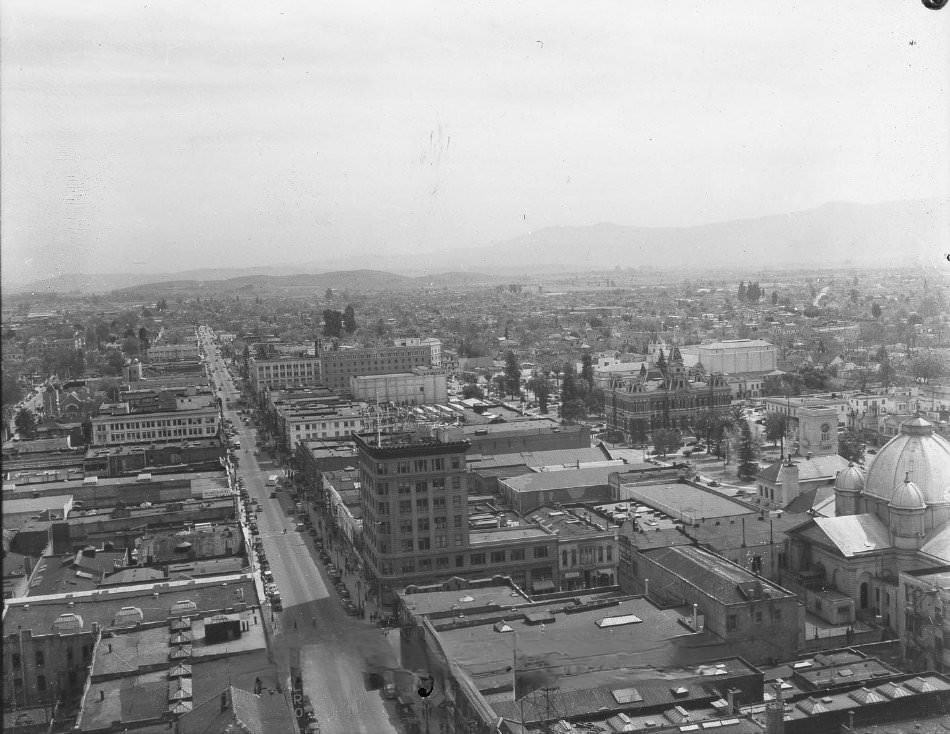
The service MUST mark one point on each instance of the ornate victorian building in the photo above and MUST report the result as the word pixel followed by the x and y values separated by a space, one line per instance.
pixel 662 398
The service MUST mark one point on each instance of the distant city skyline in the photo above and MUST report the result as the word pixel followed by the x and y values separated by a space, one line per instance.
pixel 164 138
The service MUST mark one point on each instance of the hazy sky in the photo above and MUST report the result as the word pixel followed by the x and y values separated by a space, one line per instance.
pixel 168 135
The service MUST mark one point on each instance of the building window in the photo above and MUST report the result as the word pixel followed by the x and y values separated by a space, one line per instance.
pixel 438 484
pixel 458 539
pixel 405 527
pixel 517 554
pixel 423 524
pixel 438 465
pixel 610 553
pixel 732 623
pixel 407 545
pixel 425 564
pixel 404 488
pixel 382 508
pixel 16 660
pixel 438 503
pixel 440 522
pixel 758 616
pixel 564 558
pixel 456 500
pixel 477 559
pixel 424 544
pixel 440 541
pixel 421 487
pixel 498 556
pixel 422 504
pixel 457 521
pixel 403 467
pixel 408 567
pixel 541 551
pixel 405 507
pixel 600 554
pixel 40 659
pixel 456 482
pixel 421 465
pixel 41 682
pixel 442 562
pixel 456 462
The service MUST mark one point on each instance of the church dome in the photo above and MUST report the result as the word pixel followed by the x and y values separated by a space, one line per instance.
pixel 908 497
pixel 850 480
pixel 917 455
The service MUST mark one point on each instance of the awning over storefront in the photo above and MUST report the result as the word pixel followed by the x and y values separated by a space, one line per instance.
pixel 543 585
pixel 571 575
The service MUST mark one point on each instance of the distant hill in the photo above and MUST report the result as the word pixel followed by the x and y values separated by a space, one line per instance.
pixel 834 234
pixel 839 233
pixel 357 281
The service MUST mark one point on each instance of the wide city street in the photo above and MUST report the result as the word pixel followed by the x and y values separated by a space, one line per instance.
pixel 333 652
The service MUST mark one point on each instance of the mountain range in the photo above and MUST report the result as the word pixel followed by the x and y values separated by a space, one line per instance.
pixel 834 234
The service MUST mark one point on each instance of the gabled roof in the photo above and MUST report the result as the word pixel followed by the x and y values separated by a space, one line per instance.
pixel 938 544
pixel 851 535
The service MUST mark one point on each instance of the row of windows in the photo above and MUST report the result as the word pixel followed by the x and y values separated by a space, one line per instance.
pixel 421 487
pixel 418 466
pixel 474 559
pixel 145 435
pixel 588 554
pixel 326 425
pixel 163 423
pixel 422 505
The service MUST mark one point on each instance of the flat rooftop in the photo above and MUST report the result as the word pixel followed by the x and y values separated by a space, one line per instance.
pixel 684 501
pixel 540 481
pixel 501 535
pixel 554 457
pixel 220 592
pixel 575 645
pixel 26 490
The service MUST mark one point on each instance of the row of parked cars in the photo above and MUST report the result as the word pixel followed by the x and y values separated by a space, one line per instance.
pixel 336 575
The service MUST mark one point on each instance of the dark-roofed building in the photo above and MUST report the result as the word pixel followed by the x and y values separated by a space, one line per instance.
pixel 760 620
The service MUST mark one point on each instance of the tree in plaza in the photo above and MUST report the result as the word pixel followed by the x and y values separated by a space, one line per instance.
pixel 587 368
pixel 25 423
pixel 332 323
pixel 776 426
pixel 748 466
pixel 926 367
pixel 886 370
pixel 144 338
pixel 709 425
pixel 512 374
pixel 12 392
pixel 665 440
pixel 774 298
pixel 471 390
pixel 851 447
pixel 876 310
pixel 573 409
pixel 500 383
pixel 349 319
pixel 114 363
pixel 539 385
pixel 568 384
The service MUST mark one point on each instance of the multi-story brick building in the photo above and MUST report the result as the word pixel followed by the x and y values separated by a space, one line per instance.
pixel 416 524
pixel 112 430
pixel 637 407
pixel 283 372
pixel 339 365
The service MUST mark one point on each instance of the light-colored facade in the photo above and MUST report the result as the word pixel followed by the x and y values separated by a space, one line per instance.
pixel 283 371
pixel 308 424
pixel 114 430
pixel 407 388
pixel 733 355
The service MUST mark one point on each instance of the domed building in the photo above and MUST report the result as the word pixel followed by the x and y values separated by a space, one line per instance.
pixel 891 526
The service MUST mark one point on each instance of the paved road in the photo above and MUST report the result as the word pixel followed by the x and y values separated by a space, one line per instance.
pixel 333 650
